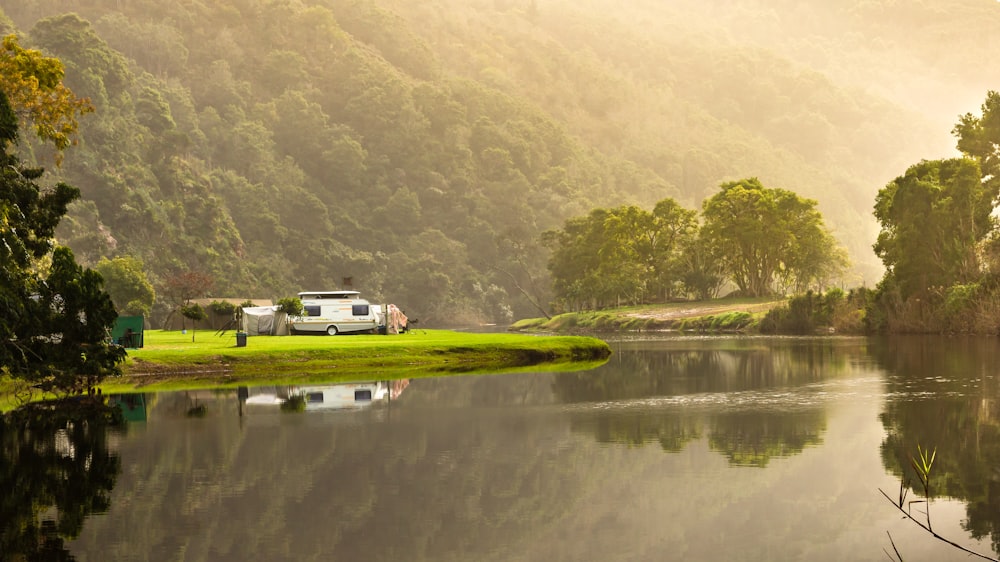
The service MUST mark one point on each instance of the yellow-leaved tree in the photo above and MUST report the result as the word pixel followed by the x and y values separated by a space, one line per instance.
pixel 34 87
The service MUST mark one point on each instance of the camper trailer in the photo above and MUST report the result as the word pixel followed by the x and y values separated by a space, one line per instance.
pixel 334 312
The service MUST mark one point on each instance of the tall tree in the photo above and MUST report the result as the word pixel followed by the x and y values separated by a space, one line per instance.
pixel 53 329
pixel 933 219
pixel 756 232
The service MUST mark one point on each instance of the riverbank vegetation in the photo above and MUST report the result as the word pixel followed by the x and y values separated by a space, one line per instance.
pixel 939 242
pixel 939 239
pixel 760 240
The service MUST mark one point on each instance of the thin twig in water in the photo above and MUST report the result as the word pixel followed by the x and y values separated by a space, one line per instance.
pixel 926 527
pixel 896 550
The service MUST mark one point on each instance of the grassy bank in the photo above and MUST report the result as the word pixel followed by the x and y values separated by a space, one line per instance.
pixel 170 360
pixel 721 315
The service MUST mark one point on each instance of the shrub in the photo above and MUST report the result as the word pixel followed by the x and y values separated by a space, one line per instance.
pixel 291 306
pixel 222 308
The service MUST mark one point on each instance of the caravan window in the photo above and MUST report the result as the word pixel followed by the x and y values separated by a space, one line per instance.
pixel 310 311
pixel 359 309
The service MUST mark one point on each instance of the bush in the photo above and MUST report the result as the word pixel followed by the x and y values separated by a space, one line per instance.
pixel 291 306
pixel 809 312
pixel 222 308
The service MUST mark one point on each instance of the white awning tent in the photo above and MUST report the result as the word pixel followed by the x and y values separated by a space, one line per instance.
pixel 264 321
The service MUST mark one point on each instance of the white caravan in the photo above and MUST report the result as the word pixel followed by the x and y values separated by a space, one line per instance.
pixel 334 312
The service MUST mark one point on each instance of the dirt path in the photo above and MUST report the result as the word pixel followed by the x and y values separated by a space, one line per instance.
pixel 674 312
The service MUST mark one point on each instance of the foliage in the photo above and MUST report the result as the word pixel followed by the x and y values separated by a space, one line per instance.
pixel 54 324
pixel 295 403
pixel 291 306
pixel 832 311
pixel 768 235
pixel 934 219
pixel 938 238
pixel 194 312
pixel 186 285
pixel 922 465
pixel 622 254
pixel 34 86
pixel 126 282
pixel 222 308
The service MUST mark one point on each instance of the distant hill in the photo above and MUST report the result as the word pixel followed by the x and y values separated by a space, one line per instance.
pixel 419 148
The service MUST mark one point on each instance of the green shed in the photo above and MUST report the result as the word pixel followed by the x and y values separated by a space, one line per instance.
pixel 128 331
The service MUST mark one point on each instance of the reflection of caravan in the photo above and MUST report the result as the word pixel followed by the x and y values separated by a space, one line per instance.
pixel 325 397
pixel 334 312
pixel 341 396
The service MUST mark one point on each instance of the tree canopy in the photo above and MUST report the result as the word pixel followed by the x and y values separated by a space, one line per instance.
pixel 938 237
pixel 933 219
pixel 54 319
pixel 765 236
pixel 760 239
pixel 34 87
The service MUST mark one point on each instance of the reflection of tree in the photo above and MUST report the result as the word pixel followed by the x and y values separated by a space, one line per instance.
pixel 749 438
pixel 944 396
pixel 52 456
pixel 672 430
pixel 684 368
pixel 753 438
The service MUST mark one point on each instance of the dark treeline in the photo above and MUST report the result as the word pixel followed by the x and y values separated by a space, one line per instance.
pixel 420 149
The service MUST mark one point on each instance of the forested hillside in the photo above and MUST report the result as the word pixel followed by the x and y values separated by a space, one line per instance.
pixel 420 148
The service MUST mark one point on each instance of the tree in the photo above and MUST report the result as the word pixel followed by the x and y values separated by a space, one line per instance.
pixel 933 219
pixel 979 138
pixel 195 313
pixel 184 286
pixel 626 253
pixel 755 231
pixel 126 282
pixel 34 88
pixel 54 328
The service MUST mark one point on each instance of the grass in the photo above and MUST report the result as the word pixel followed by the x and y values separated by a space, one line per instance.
pixel 170 360
pixel 717 315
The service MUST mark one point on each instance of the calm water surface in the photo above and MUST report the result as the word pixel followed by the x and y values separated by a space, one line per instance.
pixel 677 449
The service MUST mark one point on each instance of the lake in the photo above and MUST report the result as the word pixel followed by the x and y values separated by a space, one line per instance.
pixel 679 448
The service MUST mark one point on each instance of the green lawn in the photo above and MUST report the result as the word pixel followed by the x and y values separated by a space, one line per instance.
pixel 172 360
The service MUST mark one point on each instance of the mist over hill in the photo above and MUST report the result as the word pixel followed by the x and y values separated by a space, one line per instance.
pixel 420 148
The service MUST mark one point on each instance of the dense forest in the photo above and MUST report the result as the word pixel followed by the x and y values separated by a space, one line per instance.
pixel 419 149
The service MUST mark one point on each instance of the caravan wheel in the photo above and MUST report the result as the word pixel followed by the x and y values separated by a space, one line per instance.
pixel 331 331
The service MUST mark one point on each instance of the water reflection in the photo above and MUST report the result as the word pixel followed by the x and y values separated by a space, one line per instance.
pixel 668 392
pixel 644 458
pixel 56 469
pixel 321 397
pixel 943 393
